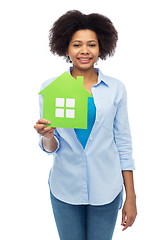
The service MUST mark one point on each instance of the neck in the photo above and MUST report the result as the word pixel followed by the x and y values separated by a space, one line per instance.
pixel 89 75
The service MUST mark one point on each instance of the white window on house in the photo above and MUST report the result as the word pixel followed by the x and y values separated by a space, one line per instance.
pixel 65 107
pixel 59 112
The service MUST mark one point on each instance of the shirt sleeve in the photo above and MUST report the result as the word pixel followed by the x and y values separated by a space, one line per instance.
pixel 122 134
pixel 56 135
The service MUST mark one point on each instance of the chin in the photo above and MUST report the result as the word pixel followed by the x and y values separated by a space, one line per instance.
pixel 84 66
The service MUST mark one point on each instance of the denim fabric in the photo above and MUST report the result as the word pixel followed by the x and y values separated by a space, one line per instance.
pixel 85 222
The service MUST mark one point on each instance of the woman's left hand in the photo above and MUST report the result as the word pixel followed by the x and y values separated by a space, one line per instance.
pixel 129 212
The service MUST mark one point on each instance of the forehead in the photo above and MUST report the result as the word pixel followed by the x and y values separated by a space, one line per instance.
pixel 84 35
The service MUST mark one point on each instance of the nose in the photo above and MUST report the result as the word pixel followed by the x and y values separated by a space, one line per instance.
pixel 84 50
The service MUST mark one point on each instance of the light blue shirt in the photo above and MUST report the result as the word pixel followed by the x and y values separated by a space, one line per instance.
pixel 93 175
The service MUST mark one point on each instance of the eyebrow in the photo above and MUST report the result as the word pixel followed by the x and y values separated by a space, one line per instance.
pixel 81 41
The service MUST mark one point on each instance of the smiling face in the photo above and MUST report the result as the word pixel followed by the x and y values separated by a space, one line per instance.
pixel 83 49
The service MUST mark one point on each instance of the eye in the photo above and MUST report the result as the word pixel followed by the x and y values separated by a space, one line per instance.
pixel 76 45
pixel 92 45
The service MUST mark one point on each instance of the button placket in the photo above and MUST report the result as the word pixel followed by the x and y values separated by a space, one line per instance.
pixel 84 180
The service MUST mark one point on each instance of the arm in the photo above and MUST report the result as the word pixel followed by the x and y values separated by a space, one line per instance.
pixel 129 184
pixel 123 141
pixel 49 143
pixel 129 210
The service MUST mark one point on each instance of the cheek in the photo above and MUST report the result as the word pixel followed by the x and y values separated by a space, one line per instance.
pixel 96 52
pixel 96 55
pixel 73 54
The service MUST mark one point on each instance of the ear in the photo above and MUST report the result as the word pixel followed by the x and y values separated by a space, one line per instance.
pixel 67 53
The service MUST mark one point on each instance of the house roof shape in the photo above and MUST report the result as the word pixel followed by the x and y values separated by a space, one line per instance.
pixel 66 87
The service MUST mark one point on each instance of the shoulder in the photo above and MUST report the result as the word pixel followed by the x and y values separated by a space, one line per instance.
pixel 112 82
pixel 50 80
pixel 47 82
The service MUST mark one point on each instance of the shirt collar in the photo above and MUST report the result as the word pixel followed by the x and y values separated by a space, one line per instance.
pixel 101 76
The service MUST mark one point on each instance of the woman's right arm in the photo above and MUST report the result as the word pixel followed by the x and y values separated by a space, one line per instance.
pixel 49 143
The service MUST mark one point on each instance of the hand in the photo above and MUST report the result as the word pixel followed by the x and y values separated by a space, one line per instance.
pixel 42 129
pixel 129 213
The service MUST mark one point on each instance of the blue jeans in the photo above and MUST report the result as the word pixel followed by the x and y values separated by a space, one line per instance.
pixel 85 222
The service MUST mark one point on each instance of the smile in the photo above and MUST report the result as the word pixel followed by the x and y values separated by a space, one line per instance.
pixel 84 60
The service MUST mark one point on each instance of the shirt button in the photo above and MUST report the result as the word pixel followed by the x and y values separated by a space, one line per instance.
pixel 91 138
pixel 97 120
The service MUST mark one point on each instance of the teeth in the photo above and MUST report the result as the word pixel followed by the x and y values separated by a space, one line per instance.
pixel 84 59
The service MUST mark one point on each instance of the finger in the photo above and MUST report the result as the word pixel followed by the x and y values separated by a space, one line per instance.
pixel 48 129
pixel 45 130
pixel 45 121
pixel 123 219
pixel 51 128
pixel 40 126
pixel 127 224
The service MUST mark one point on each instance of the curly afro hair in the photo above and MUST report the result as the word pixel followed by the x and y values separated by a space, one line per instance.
pixel 62 30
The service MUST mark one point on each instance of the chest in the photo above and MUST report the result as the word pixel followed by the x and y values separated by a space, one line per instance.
pixel 89 86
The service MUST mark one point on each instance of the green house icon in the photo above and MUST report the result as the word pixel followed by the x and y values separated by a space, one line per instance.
pixel 65 102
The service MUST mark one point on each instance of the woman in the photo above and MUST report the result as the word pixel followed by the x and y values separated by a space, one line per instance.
pixel 90 165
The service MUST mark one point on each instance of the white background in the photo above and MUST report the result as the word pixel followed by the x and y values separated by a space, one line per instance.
pixel 26 62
